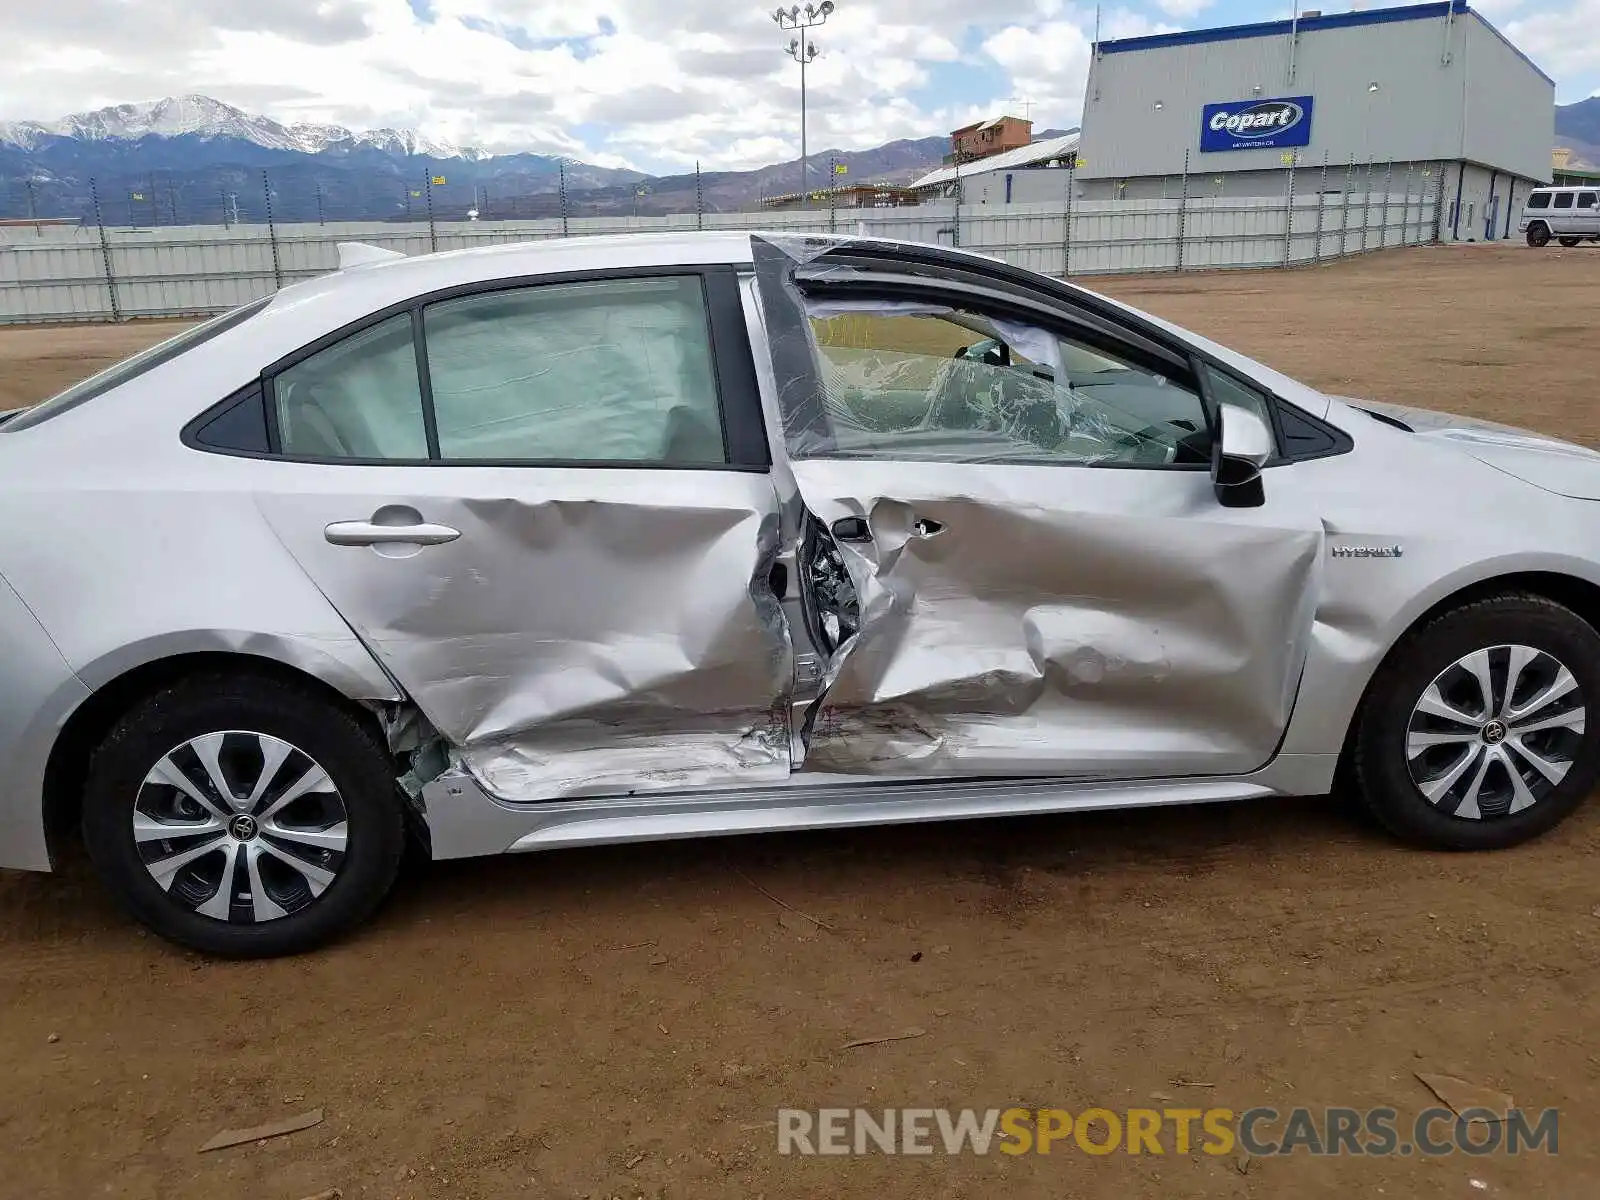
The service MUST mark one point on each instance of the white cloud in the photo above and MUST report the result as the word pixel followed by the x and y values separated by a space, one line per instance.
pixel 615 82
pixel 1185 9
pixel 1561 40
pixel 1497 10
pixel 1125 23
pixel 1048 64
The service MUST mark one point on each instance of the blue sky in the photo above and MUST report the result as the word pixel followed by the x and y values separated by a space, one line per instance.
pixel 640 83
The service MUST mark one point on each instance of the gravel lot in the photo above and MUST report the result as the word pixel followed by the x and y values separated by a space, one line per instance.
pixel 624 1022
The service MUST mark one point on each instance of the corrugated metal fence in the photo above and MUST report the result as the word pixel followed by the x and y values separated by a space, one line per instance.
pixel 89 273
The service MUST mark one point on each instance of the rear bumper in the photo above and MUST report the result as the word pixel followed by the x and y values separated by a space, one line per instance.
pixel 38 691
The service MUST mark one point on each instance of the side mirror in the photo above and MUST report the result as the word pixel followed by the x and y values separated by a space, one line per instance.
pixel 1242 447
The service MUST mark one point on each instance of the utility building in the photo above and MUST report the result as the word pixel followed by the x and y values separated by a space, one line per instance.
pixel 1028 173
pixel 1420 98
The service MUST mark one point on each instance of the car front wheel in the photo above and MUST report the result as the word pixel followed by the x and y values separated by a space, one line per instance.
pixel 244 816
pixel 1538 234
pixel 1477 733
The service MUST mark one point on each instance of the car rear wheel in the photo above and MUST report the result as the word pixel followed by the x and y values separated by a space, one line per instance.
pixel 245 817
pixel 1478 734
pixel 1569 242
pixel 1538 234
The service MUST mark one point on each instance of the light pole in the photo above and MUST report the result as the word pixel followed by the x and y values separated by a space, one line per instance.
pixel 803 50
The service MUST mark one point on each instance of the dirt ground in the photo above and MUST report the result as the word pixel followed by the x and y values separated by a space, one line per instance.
pixel 625 1022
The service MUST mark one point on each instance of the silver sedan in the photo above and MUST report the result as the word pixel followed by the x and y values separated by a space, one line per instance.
pixel 619 539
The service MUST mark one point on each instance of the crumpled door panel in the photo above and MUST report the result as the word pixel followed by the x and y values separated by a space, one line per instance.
pixel 602 632
pixel 1017 620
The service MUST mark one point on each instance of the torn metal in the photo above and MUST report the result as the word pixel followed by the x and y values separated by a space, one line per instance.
pixel 1023 637
pixel 1013 609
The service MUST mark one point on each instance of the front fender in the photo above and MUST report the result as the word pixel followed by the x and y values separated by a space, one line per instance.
pixel 1349 644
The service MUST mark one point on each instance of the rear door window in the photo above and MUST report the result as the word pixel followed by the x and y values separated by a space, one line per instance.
pixel 614 370
pixel 1564 200
pixel 618 371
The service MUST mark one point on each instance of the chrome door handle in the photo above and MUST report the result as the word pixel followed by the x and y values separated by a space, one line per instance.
pixel 365 533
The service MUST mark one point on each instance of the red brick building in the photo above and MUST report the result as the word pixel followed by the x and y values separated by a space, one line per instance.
pixel 983 138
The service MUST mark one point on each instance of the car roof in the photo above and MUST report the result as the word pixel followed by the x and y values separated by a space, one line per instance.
pixel 347 295
pixel 371 286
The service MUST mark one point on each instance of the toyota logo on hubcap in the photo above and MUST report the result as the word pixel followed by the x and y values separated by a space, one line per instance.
pixel 242 827
pixel 1494 733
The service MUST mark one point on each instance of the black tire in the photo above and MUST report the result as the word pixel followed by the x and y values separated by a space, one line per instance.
pixel 333 736
pixel 1538 234
pixel 1569 242
pixel 1382 773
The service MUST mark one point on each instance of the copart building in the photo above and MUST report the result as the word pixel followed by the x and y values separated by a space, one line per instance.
pixel 1423 96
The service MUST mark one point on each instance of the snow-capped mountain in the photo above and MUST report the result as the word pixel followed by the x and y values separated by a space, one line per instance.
pixel 205 118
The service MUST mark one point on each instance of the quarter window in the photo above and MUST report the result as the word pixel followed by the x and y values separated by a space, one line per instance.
pixel 608 371
pixel 359 398
pixel 1586 199
pixel 1564 200
pixel 909 381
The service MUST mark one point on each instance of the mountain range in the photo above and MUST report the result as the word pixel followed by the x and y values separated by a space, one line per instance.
pixel 192 159
pixel 1578 129
pixel 177 116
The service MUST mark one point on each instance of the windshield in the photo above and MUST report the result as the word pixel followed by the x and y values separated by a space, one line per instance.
pixel 131 368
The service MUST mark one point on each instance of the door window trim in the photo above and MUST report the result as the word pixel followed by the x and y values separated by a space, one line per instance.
pixel 1086 313
pixel 1186 367
pixel 991 304
pixel 732 366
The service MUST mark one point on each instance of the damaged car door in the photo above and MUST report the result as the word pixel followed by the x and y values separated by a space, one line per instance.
pixel 546 508
pixel 1042 579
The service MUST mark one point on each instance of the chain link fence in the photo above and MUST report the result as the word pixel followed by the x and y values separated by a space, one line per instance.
pixel 175 253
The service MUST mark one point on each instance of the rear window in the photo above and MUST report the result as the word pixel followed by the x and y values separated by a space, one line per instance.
pixel 1539 200
pixel 132 368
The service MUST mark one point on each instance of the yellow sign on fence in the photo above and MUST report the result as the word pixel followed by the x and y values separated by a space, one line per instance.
pixel 438 181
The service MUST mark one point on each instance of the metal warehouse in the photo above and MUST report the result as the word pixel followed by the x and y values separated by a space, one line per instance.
pixel 1425 97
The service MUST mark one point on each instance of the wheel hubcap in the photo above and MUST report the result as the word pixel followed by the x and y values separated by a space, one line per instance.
pixel 1495 732
pixel 241 827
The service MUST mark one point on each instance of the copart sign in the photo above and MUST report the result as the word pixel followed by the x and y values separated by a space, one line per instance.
pixel 1256 124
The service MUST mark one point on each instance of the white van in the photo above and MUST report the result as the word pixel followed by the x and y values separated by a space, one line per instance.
pixel 1568 214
